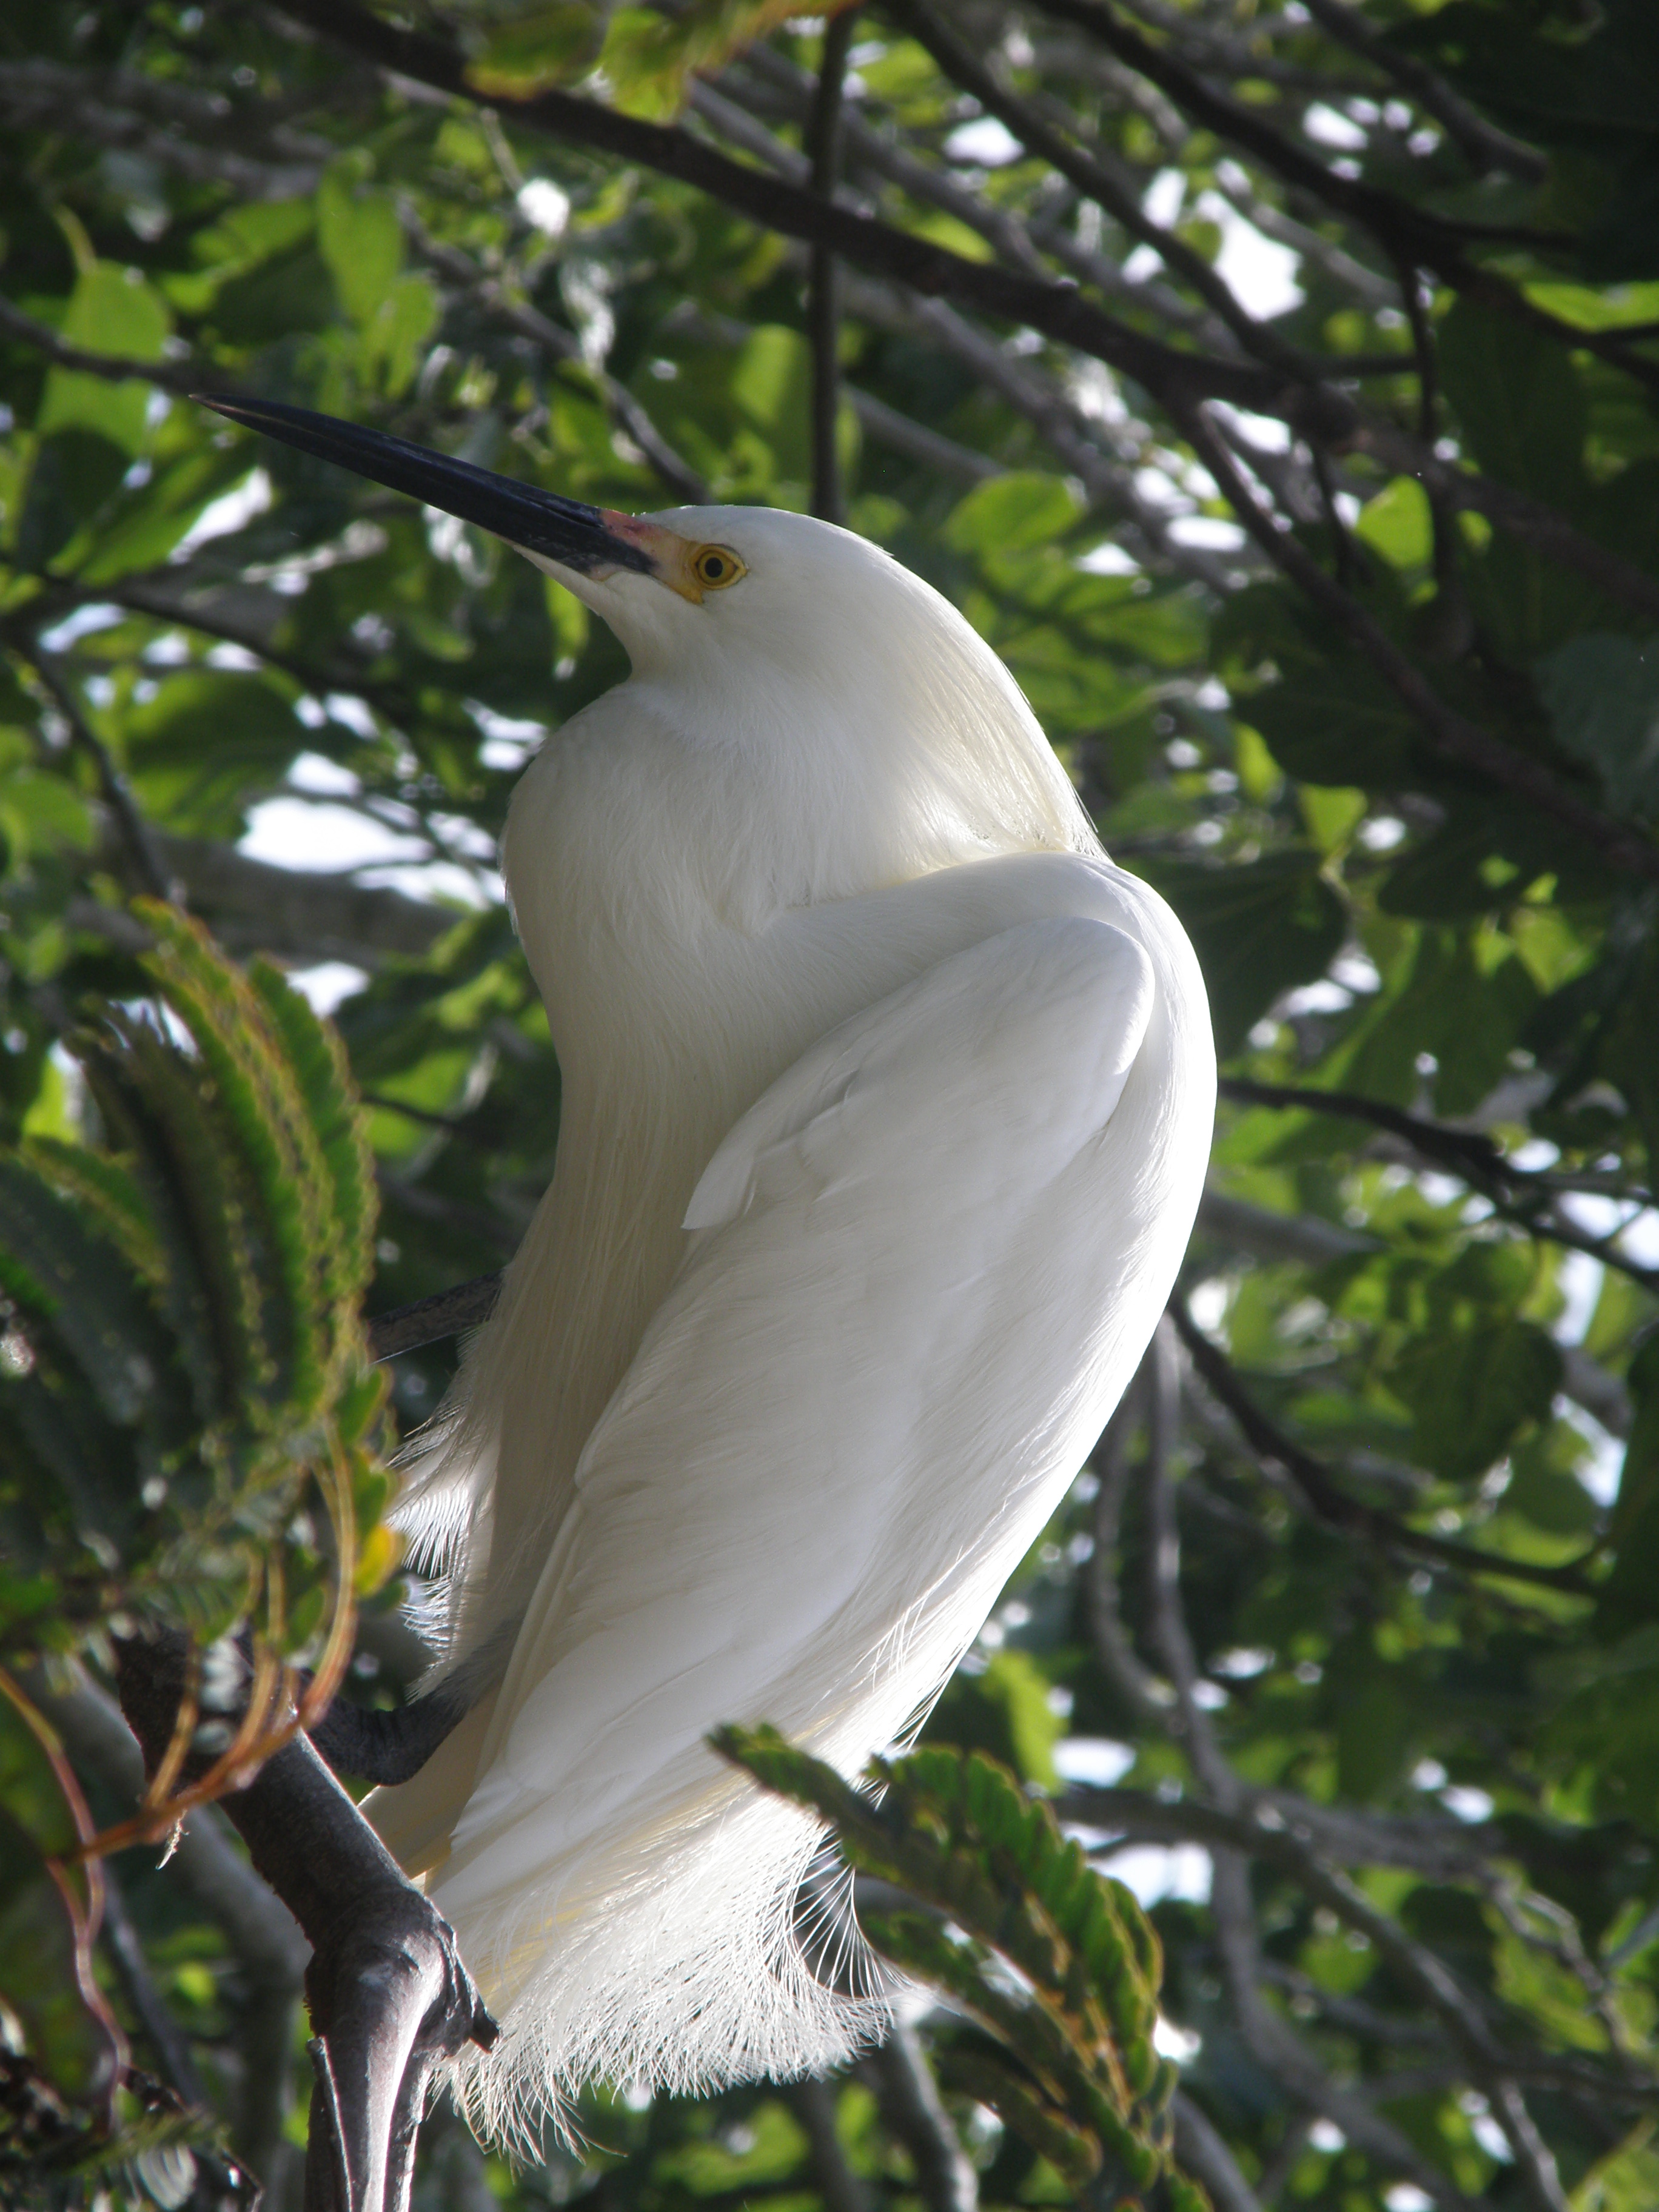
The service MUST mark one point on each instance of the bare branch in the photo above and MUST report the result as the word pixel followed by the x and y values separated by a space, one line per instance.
pixel 137 840
pixel 1470 1154
pixel 916 442
pixel 459 270
pixel 1259 1821
pixel 386 1988
pixel 1482 144
pixel 1269 1236
pixel 1144 1695
pixel 1107 482
pixel 1161 1375
pixel 1201 2150
pixel 1058 312
pixel 912 2108
pixel 1323 1496
pixel 1450 734
pixel 863 147
pixel 1368 285
pixel 1093 179
pixel 1225 1826
pixel 1410 234
pixel 1282 2051
pixel 269 1950
pixel 813 2104
pixel 170 376
pixel 823 304
pixel 166 2038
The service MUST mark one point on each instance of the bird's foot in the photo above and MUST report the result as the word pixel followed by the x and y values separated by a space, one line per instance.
pixel 390 1999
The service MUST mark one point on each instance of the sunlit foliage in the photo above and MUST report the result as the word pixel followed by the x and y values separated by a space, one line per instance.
pixel 1345 629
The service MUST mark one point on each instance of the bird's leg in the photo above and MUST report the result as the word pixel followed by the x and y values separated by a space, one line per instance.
pixel 386 1747
pixel 388 1993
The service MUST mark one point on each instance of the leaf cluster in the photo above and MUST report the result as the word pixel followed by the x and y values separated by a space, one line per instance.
pixel 1087 2089
pixel 183 1339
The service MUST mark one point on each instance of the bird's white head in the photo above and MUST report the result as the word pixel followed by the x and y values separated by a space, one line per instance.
pixel 851 727
pixel 880 729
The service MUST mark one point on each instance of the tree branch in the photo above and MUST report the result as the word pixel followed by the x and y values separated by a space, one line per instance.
pixel 823 304
pixel 458 267
pixel 387 1990
pixel 813 2104
pixel 168 2040
pixel 1057 311
pixel 1408 233
pixel 269 1950
pixel 1452 735
pixel 913 2110
pixel 1201 2148
pixel 1468 1153
pixel 137 840
pixel 1325 1498
pixel 113 368
pixel 1482 144
pixel 1226 1831
pixel 957 62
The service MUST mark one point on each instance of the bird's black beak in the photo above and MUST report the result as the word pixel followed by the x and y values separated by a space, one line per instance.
pixel 567 530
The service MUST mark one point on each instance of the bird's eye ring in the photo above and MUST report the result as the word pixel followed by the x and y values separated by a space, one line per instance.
pixel 715 567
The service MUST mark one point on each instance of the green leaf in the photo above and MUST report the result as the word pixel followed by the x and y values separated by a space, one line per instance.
pixel 1012 512
pixel 545 46
pixel 1006 1712
pixel 40 812
pixel 1518 398
pixel 111 311
pixel 1472 1391
pixel 1259 929
pixel 1602 695
pixel 1334 721
pixel 1398 525
pixel 360 240
pixel 208 741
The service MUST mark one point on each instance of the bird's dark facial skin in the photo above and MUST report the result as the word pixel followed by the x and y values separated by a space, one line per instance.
pixel 568 530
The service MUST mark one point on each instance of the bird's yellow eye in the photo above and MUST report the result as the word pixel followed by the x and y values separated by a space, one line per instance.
pixel 715 567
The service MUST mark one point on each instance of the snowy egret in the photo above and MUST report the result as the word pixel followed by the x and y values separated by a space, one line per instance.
pixel 887 1099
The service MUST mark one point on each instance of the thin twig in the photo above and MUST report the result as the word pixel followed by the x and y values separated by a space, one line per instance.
pixel 813 2104
pixel 143 855
pixel 914 2111
pixel 166 2038
pixel 1161 1369
pixel 268 1951
pixel 176 377
pixel 1472 1156
pixel 1275 2043
pixel 1451 734
pixel 1202 2149
pixel 1407 232
pixel 1096 182
pixel 1483 146
pixel 1058 311
pixel 84 1910
pixel 1328 1502
pixel 462 271
pixel 822 303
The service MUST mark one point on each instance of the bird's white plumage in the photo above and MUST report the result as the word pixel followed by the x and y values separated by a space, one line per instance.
pixel 873 1176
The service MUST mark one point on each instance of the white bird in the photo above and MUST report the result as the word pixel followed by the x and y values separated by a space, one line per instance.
pixel 886 1100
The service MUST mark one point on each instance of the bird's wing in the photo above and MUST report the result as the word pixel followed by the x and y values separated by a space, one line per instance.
pixel 922 1266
